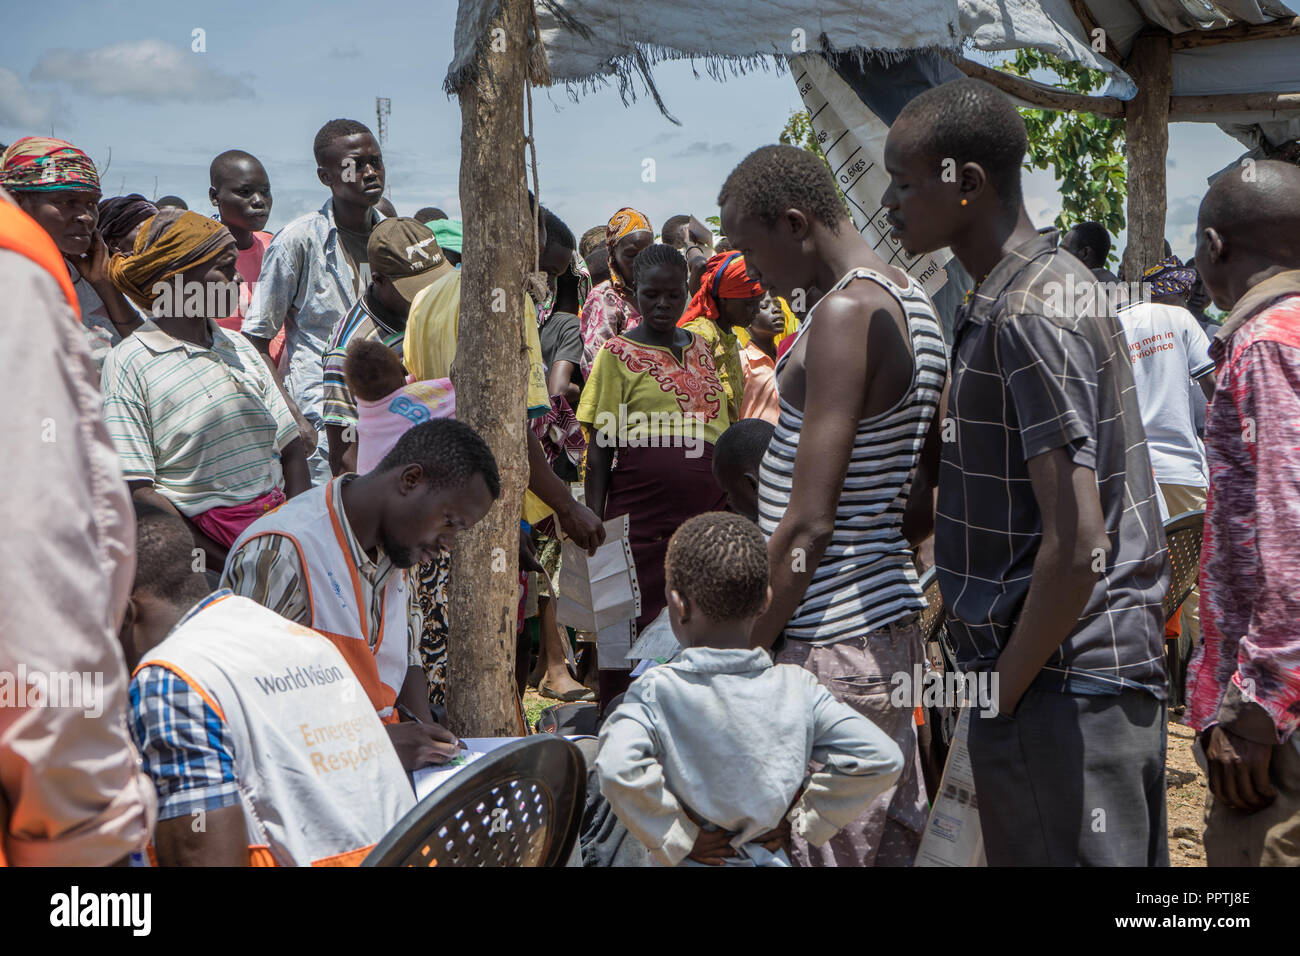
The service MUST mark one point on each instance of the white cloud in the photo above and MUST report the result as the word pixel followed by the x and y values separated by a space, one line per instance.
pixel 22 107
pixel 700 148
pixel 1180 225
pixel 1042 197
pixel 149 71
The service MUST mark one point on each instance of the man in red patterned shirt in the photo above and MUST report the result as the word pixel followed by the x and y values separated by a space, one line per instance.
pixel 1244 682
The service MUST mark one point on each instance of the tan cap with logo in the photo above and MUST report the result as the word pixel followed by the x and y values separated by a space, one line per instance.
pixel 407 252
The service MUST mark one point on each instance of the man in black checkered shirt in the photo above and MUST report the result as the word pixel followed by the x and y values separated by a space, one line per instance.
pixel 1048 544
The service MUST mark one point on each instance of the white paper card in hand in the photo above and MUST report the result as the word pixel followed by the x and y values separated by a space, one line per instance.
pixel 952 834
pixel 656 642
pixel 600 590
pixel 427 779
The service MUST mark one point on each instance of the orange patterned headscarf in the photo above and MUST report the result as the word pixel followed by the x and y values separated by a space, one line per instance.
pixel 626 220
pixel 172 242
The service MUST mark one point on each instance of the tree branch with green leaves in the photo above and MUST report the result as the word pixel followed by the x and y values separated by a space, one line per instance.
pixel 1084 151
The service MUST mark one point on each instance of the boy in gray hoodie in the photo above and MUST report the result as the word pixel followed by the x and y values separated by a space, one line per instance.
pixel 706 760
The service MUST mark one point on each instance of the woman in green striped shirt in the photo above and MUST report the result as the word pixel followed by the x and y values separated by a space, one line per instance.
pixel 193 410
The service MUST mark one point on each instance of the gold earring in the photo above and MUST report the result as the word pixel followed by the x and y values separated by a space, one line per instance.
pixel 963 202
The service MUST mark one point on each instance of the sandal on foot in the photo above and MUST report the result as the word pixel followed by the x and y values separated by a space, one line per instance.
pixel 569 697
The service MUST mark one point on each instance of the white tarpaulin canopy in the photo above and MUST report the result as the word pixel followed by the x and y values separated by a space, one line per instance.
pixel 1232 62
pixel 595 41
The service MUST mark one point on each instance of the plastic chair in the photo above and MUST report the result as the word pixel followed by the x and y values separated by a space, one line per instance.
pixel 934 613
pixel 520 805
pixel 941 719
pixel 1183 533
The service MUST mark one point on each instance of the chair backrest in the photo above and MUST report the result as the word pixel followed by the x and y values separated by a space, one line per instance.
pixel 933 615
pixel 520 805
pixel 1183 533
pixel 569 720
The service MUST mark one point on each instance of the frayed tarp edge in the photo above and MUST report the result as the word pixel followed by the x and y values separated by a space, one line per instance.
pixel 624 70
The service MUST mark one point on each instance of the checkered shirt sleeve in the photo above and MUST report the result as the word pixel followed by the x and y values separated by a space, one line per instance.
pixel 186 747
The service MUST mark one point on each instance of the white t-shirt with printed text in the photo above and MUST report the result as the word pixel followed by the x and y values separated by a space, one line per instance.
pixel 1168 349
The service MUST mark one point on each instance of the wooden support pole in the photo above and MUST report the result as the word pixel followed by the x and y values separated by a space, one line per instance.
pixel 1090 25
pixel 1179 107
pixel 490 374
pixel 1146 137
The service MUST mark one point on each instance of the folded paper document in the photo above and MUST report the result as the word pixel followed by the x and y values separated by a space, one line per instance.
pixel 599 591
pixel 952 835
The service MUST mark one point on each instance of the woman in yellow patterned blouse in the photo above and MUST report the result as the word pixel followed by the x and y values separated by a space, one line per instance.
pixel 653 407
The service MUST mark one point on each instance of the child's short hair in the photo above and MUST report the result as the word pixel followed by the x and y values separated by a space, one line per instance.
pixel 335 129
pixel 372 370
pixel 970 120
pixel 743 445
pixel 719 561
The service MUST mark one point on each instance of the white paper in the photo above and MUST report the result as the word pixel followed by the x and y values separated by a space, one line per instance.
pixel 657 642
pixel 952 834
pixel 613 644
pixel 427 779
pixel 599 591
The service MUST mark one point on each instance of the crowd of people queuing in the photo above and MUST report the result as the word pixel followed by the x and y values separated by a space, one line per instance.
pixel 239 473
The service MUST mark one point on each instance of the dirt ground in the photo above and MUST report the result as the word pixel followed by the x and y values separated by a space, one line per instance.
pixel 1185 788
pixel 1184 781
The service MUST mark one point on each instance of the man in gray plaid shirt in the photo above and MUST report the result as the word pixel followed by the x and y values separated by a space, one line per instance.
pixel 1048 544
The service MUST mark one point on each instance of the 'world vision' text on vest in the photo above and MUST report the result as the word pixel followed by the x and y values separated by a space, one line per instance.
pixel 298 678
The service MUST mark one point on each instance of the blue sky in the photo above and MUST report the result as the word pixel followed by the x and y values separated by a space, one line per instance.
pixel 122 75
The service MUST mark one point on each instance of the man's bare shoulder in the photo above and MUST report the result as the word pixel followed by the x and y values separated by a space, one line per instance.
pixel 857 305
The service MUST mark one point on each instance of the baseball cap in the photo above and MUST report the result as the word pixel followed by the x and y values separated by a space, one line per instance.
pixel 407 252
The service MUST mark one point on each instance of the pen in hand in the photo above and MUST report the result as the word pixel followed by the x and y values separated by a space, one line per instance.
pixel 409 715
pixel 406 712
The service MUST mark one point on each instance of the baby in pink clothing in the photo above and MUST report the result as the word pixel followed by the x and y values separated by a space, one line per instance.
pixel 387 404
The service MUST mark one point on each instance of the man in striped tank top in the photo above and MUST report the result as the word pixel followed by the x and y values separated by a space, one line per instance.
pixel 846 486
pixel 1048 544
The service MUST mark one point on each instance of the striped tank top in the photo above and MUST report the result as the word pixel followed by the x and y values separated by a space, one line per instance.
pixel 866 578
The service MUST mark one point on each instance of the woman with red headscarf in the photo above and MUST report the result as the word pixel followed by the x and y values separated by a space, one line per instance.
pixel 610 308
pixel 726 300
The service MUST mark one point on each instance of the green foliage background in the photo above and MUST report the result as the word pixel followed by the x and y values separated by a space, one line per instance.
pixel 798 131
pixel 1084 151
